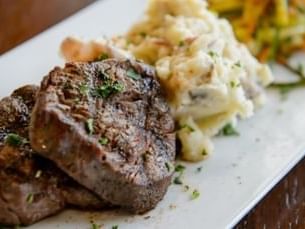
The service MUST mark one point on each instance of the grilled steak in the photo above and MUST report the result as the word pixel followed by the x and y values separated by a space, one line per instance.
pixel 107 125
pixel 31 187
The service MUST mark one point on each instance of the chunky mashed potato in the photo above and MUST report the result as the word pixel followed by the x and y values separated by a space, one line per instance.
pixel 210 79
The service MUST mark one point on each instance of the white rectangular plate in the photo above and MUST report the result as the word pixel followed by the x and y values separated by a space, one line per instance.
pixel 241 171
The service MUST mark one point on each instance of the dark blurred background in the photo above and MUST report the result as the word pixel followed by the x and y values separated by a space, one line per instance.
pixel 23 19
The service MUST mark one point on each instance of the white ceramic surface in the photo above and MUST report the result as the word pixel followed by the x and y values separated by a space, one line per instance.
pixel 240 172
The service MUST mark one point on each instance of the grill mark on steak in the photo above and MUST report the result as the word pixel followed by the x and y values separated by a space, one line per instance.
pixel 25 195
pixel 136 121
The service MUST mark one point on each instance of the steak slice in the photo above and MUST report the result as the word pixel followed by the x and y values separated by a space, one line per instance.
pixel 107 125
pixel 31 187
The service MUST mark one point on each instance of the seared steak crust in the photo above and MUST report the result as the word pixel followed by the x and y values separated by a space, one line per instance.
pixel 31 187
pixel 107 125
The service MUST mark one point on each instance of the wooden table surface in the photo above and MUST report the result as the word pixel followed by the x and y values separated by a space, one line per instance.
pixel 283 207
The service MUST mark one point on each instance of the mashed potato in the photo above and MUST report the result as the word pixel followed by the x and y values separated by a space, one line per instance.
pixel 209 78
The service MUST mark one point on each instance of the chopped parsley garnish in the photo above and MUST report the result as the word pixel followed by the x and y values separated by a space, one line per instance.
pixel 199 169
pixel 234 84
pixel 104 91
pixel 103 56
pixel 103 141
pixel 212 54
pixel 103 75
pixel 181 43
pixel 115 227
pixel 77 100
pixel 169 166
pixel 84 89
pixel 132 74
pixel 143 34
pixel 89 126
pixel 117 87
pixel 229 130
pixel 172 206
pixel 109 88
pixel 187 127
pixel 38 174
pixel 179 168
pixel 186 188
pixel 238 64
pixel 195 194
pixel 284 90
pixel 204 152
pixel 15 140
pixel 145 157
pixel 30 198
pixel 95 226
pixel 177 180
pixel 67 85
